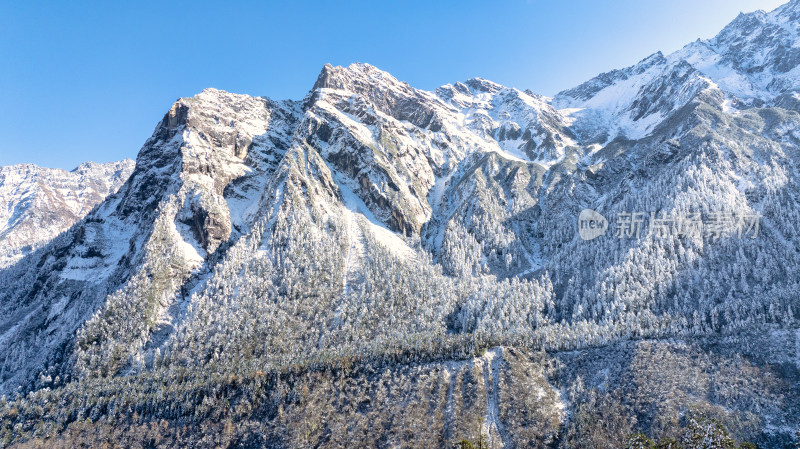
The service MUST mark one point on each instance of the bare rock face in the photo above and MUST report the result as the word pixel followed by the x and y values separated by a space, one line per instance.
pixel 394 143
pixel 36 203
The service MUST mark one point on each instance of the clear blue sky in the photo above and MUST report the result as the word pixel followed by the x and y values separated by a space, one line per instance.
pixel 89 81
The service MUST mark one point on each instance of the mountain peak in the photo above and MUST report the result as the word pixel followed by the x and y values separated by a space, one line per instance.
pixel 210 92
pixel 352 76
pixel 90 166
pixel 483 85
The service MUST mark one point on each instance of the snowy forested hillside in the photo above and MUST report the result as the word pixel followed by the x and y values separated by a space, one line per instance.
pixel 407 264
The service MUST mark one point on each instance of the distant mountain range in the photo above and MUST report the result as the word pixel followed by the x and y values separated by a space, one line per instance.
pixel 408 265
pixel 39 203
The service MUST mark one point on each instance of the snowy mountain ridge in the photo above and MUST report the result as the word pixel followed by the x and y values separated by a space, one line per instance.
pixel 755 60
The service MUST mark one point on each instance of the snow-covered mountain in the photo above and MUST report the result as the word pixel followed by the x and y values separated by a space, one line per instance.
pixel 399 229
pixel 754 61
pixel 39 203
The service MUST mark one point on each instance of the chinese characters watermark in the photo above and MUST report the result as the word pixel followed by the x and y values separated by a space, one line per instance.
pixel 633 225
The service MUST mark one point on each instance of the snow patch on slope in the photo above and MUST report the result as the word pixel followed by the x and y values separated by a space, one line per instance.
pixel 493 426
pixel 359 215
